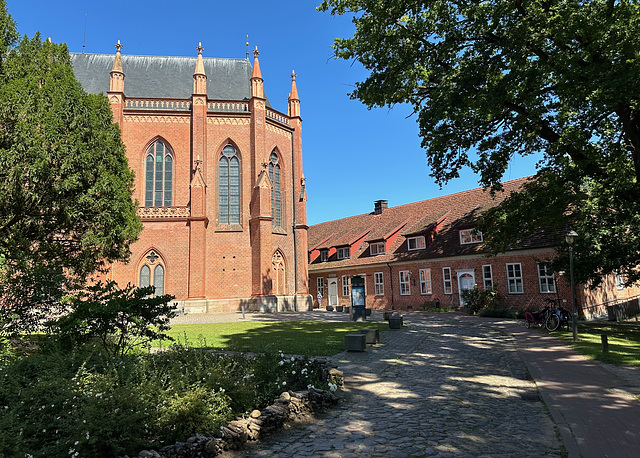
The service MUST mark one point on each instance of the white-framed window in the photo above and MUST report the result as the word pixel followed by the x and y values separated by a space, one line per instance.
pixel 425 281
pixel 619 281
pixel 345 285
pixel 344 253
pixel 416 243
pixel 487 277
pixel 324 255
pixel 446 280
pixel 376 248
pixel 378 281
pixel 514 278
pixel 470 236
pixel 545 279
pixel 405 287
pixel 320 284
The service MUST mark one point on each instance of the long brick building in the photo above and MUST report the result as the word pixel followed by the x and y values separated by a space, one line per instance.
pixel 428 251
pixel 219 179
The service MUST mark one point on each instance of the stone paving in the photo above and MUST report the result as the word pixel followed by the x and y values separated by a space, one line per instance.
pixel 438 387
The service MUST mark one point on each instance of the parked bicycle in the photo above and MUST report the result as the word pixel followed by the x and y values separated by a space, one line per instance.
pixel 540 318
pixel 551 317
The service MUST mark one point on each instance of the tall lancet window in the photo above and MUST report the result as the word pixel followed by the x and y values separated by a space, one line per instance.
pixel 276 191
pixel 158 176
pixel 229 187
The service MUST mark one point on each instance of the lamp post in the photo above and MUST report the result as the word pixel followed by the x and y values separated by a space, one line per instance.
pixel 570 238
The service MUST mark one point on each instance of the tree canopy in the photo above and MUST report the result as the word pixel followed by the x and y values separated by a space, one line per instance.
pixel 65 185
pixel 491 81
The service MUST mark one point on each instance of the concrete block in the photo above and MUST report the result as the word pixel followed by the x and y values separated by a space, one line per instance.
pixel 355 342
pixel 395 322
pixel 372 335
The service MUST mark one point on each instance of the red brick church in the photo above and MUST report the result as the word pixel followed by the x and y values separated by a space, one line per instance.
pixel 219 180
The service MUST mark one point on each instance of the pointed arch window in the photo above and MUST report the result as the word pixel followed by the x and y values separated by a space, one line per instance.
pixel 229 187
pixel 276 191
pixel 279 274
pixel 152 263
pixel 158 176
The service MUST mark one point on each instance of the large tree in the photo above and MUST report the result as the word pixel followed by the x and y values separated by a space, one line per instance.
pixel 494 80
pixel 65 185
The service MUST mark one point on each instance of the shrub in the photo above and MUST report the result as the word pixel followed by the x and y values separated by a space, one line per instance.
pixel 477 300
pixel 57 402
pixel 120 319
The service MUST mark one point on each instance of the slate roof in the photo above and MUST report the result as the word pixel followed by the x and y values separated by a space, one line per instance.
pixel 165 76
pixel 454 212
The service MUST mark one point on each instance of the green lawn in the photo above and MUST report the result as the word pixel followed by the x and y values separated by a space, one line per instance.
pixel 311 338
pixel 624 341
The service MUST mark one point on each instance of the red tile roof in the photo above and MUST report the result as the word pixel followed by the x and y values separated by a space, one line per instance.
pixel 448 214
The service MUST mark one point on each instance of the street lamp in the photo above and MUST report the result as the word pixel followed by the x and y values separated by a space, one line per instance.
pixel 570 237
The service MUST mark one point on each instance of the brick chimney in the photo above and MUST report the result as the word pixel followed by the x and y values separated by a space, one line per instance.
pixel 379 206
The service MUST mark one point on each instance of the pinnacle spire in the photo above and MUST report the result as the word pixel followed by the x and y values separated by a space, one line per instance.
pixel 293 110
pixel 199 76
pixel 294 89
pixel 257 89
pixel 256 64
pixel 199 62
pixel 117 62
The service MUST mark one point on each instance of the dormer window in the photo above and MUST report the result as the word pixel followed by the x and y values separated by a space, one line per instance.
pixel 324 255
pixel 470 236
pixel 344 253
pixel 416 243
pixel 376 248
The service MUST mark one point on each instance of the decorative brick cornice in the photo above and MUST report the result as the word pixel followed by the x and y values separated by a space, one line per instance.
pixel 172 213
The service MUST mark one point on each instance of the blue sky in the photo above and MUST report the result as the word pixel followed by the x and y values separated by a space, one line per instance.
pixel 352 156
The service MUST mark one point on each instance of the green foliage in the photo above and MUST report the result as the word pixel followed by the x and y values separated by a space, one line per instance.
pixel 477 300
pixel 72 403
pixel 120 319
pixel 491 81
pixel 65 186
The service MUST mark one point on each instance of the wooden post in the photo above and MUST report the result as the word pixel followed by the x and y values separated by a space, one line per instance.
pixel 605 343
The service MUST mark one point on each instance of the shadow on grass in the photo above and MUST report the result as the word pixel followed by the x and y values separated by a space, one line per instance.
pixel 310 338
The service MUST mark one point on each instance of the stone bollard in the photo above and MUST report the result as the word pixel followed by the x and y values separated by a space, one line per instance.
pixel 395 322
pixel 372 335
pixel 355 342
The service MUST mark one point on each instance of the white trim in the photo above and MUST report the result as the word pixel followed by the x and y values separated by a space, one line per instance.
pixel 428 286
pixel 380 284
pixel 445 281
pixel 416 239
pixel 516 279
pixel 377 245
pixel 340 254
pixel 406 283
pixel 473 237
pixel 546 277
pixel 490 277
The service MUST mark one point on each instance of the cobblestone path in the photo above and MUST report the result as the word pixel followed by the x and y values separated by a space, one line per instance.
pixel 438 387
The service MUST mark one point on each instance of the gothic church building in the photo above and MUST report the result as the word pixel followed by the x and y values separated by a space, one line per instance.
pixel 219 180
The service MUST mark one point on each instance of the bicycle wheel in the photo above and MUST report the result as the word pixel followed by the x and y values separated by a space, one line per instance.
pixel 553 322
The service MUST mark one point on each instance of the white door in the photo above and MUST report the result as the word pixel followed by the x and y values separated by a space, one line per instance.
pixel 466 280
pixel 333 291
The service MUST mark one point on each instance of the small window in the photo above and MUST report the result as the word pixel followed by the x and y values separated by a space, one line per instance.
pixel 470 236
pixel 416 243
pixel 376 248
pixel 152 274
pixel 405 288
pixel 344 253
pixel 446 280
pixel 324 255
pixel 345 285
pixel 320 285
pixel 378 281
pixel 425 281
pixel 487 277
pixel 619 281
pixel 545 279
pixel 514 278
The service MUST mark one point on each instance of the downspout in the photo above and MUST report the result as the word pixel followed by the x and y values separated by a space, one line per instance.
pixel 391 280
